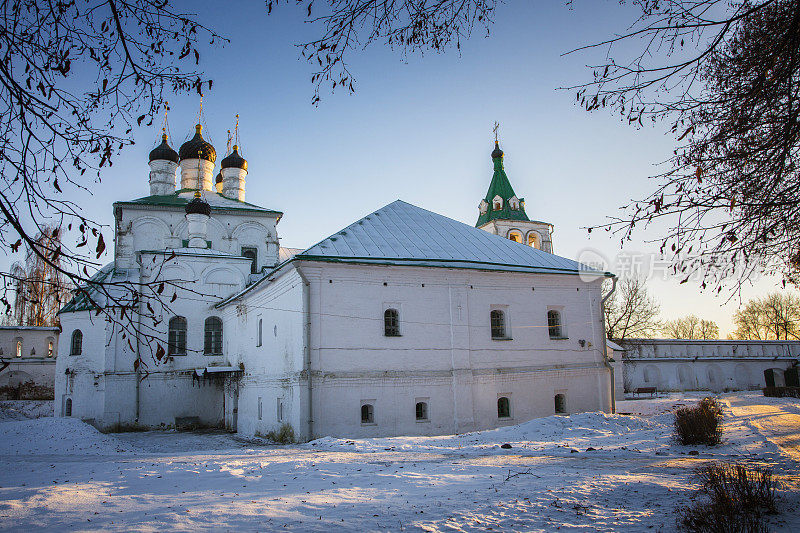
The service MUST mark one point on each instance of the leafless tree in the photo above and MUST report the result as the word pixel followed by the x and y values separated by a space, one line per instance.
pixel 40 288
pixel 725 75
pixel 690 327
pixel 631 311
pixel 76 76
pixel 773 317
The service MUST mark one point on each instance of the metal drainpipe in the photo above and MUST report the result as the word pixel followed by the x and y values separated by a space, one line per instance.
pixel 605 343
pixel 138 335
pixel 307 349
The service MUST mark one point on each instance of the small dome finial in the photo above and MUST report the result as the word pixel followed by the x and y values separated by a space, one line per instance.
pixel 497 153
pixel 164 151
pixel 198 206
pixel 197 147
pixel 234 160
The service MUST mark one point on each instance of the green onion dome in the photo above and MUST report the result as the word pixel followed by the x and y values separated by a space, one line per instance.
pixel 164 151
pixel 496 153
pixel 198 148
pixel 198 206
pixel 234 160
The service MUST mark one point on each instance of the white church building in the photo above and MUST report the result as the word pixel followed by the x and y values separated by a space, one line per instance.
pixel 406 322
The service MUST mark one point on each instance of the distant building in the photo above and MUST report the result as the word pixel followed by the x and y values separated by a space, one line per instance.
pixel 406 322
pixel 28 354
pixel 714 365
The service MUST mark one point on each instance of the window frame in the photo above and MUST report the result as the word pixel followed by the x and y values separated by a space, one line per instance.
pixel 391 314
pixel 370 420
pixel 254 259
pixel 507 410
pixel 209 340
pixel 426 417
pixel 174 345
pixel 493 328
pixel 561 332
pixel 564 409
pixel 76 339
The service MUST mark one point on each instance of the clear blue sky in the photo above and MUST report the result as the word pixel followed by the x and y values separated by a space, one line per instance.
pixel 420 131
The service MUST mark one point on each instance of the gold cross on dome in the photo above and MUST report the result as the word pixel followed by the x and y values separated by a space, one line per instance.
pixel 496 129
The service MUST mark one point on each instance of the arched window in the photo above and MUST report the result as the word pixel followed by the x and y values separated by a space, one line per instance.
pixel 497 203
pixel 422 411
pixel 554 324
pixel 176 341
pixel 497 320
pixel 391 323
pixel 50 347
pixel 213 336
pixel 19 347
pixel 367 414
pixel 68 407
pixel 515 236
pixel 560 404
pixel 503 407
pixel 251 253
pixel 534 240
pixel 76 346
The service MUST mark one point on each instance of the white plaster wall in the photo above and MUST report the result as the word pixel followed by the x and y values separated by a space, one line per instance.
pixel 38 367
pixel 80 377
pixel 727 374
pixel 159 228
pixel 446 352
pixel 273 369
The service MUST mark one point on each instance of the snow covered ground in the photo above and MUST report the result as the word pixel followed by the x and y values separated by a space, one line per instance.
pixel 585 472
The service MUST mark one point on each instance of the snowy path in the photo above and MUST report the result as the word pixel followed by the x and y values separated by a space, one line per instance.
pixel 779 422
pixel 632 481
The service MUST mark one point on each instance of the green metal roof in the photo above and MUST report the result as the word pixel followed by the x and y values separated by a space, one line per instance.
pixel 184 196
pixel 500 186
pixel 85 298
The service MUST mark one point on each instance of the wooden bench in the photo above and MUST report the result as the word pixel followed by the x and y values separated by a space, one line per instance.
pixel 646 390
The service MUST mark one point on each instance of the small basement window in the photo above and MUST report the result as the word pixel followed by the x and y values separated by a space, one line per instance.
pixel 422 411
pixel 367 414
pixel 503 407
pixel 560 404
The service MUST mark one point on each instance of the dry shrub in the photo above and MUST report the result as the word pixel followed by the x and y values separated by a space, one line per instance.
pixel 701 424
pixel 739 497
pixel 284 435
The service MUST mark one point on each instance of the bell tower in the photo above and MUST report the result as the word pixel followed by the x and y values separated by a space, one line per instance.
pixel 502 213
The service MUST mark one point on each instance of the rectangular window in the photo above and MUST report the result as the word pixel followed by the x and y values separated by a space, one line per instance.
pixel 497 320
pixel 251 252
pixel 280 410
pixel 554 325
pixel 260 408
pixel 260 332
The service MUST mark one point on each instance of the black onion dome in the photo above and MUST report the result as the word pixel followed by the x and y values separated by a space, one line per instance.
pixel 198 206
pixel 234 160
pixel 497 152
pixel 198 148
pixel 164 151
pixel 219 177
